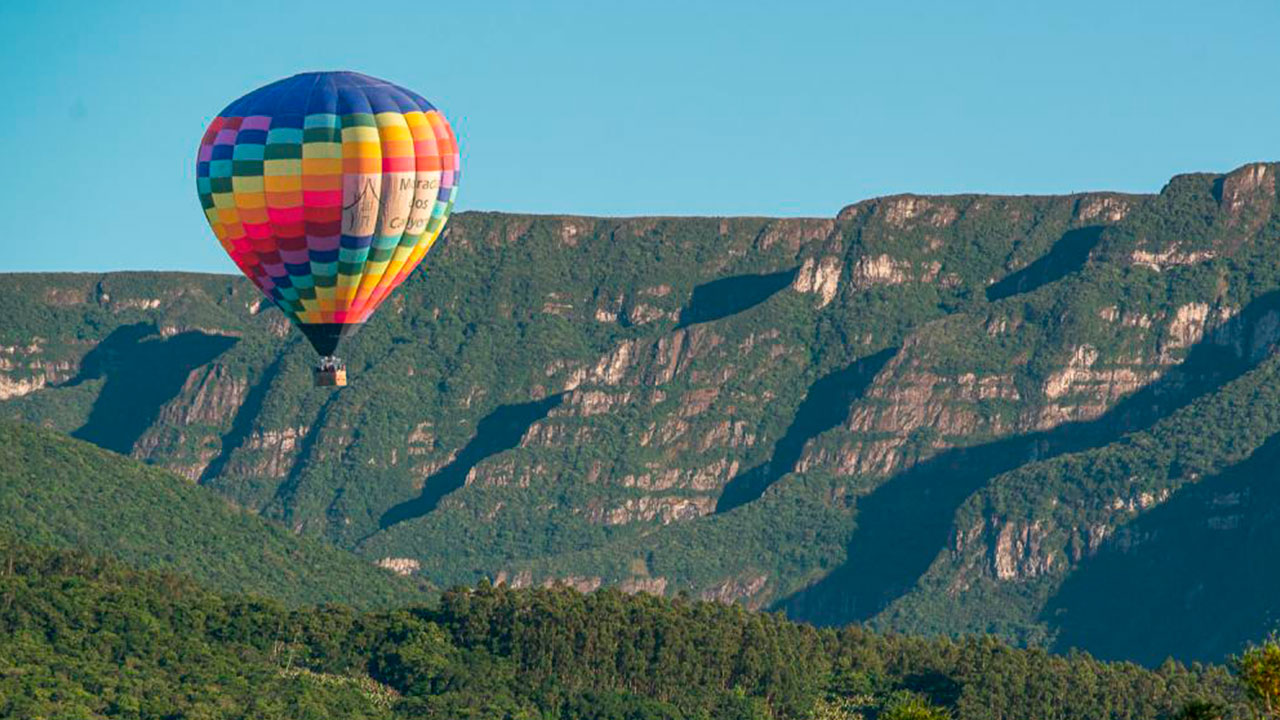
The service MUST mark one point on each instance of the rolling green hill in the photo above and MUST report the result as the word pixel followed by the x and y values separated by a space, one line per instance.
pixel 63 492
pixel 931 414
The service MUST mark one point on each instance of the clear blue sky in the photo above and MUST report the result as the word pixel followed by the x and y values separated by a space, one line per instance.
pixel 637 108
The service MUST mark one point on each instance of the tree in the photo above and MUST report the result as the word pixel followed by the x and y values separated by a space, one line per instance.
pixel 909 706
pixel 1201 710
pixel 1259 671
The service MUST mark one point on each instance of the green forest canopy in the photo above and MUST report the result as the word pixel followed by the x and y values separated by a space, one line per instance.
pixel 86 637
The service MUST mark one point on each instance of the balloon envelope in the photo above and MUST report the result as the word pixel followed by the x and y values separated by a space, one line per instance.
pixel 327 189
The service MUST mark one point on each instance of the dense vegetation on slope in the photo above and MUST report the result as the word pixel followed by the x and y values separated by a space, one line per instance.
pixel 85 637
pixel 1013 540
pixel 1053 513
pixel 683 403
pixel 58 491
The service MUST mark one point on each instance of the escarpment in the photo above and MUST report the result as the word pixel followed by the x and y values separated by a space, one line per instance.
pixel 716 405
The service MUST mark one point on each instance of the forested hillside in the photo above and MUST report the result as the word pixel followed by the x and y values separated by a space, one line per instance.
pixel 62 492
pixel 932 414
pixel 87 638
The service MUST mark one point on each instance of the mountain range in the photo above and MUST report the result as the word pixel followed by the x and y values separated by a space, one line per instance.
pixel 1054 419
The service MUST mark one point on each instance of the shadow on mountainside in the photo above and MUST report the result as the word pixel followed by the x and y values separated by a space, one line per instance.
pixel 906 521
pixel 732 295
pixel 143 371
pixel 1068 254
pixel 1122 603
pixel 285 500
pixel 825 406
pixel 242 424
pixel 497 432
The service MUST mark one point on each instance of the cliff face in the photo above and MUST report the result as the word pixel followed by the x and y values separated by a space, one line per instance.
pixel 709 404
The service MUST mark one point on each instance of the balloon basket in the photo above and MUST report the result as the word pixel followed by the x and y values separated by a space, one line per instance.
pixel 331 373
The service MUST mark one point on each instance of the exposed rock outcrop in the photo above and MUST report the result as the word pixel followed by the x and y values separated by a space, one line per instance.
pixel 276 451
pixel 25 369
pixel 399 565
pixel 1084 391
pixel 880 270
pixel 664 509
pixel 1171 256
pixel 745 589
pixel 820 277
pixel 650 585
pixel 1020 551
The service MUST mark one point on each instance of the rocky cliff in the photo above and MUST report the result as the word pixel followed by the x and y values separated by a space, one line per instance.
pixel 904 414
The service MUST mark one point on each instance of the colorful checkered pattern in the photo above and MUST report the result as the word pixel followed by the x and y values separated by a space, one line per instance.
pixel 327 189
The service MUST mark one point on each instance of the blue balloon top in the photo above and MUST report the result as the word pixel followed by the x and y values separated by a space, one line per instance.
pixel 338 93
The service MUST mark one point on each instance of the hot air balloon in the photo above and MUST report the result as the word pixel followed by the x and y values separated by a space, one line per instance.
pixel 327 189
